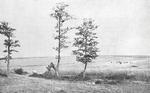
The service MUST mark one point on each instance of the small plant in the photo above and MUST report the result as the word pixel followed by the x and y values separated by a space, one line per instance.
pixel 3 73
pixel 119 76
pixel 36 75
pixel 61 91
pixel 20 71
pixel 48 75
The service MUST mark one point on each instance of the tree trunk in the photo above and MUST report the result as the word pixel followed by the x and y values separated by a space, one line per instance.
pixel 8 65
pixel 8 57
pixel 83 72
pixel 57 67
pixel 57 72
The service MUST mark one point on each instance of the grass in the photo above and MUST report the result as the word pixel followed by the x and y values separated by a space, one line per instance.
pixel 119 76
pixel 101 77
pixel 98 82
pixel 98 78
pixel 23 84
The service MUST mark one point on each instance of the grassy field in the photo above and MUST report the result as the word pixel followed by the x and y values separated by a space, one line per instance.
pixel 102 63
pixel 132 72
pixel 24 84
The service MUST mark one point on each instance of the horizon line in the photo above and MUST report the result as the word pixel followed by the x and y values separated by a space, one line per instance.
pixel 74 55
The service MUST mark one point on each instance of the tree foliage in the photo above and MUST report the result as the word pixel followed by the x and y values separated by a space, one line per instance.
pixel 86 42
pixel 61 16
pixel 6 30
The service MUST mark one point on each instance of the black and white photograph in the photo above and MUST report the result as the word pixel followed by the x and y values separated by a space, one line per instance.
pixel 74 46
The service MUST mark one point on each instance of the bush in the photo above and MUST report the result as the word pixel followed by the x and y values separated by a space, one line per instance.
pixel 48 75
pixel 20 71
pixel 98 82
pixel 61 91
pixel 3 73
pixel 112 82
pixel 36 75
pixel 119 76
pixel 142 77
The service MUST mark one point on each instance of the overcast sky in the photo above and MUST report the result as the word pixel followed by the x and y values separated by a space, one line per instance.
pixel 124 25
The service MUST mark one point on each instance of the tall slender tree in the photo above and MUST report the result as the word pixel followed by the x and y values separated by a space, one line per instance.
pixel 86 43
pixel 61 16
pixel 9 43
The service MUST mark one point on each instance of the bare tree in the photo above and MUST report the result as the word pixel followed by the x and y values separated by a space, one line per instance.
pixel 61 16
pixel 9 43
pixel 86 43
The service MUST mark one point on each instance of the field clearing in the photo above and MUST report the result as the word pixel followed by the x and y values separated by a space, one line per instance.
pixel 104 65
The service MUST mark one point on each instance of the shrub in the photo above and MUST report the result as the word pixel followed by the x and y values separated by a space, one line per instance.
pixel 61 91
pixel 20 71
pixel 36 75
pixel 48 75
pixel 119 76
pixel 112 82
pixel 3 73
pixel 134 66
pixel 98 82
pixel 142 77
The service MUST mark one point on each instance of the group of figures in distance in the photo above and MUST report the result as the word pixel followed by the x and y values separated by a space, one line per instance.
pixel 85 40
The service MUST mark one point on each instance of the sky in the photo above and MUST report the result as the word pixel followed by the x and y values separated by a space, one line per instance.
pixel 123 25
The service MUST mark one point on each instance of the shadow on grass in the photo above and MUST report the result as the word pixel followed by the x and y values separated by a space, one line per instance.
pixel 20 71
pixel 49 75
pixel 3 73
pixel 97 78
